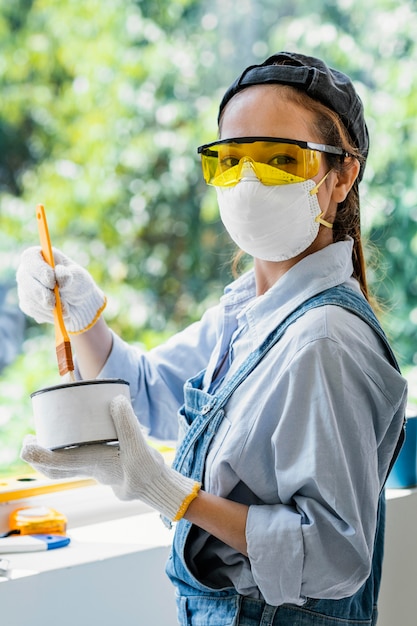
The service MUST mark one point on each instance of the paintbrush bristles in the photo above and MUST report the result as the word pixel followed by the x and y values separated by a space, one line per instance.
pixel 64 357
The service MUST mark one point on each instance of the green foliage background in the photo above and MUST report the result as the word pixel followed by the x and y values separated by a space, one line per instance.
pixel 102 106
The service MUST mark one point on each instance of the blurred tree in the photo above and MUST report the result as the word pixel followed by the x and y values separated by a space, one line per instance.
pixel 102 107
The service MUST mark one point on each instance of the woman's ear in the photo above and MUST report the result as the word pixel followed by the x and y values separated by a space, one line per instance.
pixel 345 179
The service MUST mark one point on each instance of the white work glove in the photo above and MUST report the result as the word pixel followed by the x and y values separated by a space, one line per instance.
pixel 133 469
pixel 82 301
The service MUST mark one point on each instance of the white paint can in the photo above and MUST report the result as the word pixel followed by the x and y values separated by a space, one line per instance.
pixel 76 413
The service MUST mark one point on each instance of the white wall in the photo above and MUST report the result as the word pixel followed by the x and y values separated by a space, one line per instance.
pixel 130 590
pixel 398 597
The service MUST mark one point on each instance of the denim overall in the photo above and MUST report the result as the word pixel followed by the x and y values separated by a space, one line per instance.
pixel 200 417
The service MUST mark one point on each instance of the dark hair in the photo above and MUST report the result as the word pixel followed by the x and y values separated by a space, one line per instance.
pixel 347 221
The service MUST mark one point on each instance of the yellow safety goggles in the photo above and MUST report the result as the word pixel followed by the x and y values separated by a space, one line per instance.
pixel 274 161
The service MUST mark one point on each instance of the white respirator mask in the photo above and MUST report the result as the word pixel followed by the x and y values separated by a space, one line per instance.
pixel 271 222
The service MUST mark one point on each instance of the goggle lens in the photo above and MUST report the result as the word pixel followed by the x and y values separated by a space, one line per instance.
pixel 274 162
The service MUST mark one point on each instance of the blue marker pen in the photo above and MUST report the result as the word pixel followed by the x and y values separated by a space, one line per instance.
pixel 32 543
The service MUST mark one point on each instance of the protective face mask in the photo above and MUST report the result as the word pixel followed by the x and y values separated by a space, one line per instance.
pixel 272 223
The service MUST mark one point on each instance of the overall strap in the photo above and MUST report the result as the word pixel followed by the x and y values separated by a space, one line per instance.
pixel 338 296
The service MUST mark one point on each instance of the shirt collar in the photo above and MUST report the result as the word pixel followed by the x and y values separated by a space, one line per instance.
pixel 321 270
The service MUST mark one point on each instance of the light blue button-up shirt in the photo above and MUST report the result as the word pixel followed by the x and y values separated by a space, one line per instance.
pixel 306 440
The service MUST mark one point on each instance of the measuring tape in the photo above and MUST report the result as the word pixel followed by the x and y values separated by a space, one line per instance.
pixel 32 520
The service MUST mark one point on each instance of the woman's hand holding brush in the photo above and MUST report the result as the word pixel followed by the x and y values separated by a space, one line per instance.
pixel 52 288
pixel 81 299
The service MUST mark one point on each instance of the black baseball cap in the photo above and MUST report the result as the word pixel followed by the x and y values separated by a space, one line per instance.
pixel 329 86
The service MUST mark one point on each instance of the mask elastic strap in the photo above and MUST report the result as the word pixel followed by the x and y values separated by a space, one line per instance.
pixel 316 188
pixel 320 220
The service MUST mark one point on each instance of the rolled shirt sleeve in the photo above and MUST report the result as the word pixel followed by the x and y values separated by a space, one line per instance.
pixel 269 556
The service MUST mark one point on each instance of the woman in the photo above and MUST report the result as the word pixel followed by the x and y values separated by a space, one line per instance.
pixel 289 399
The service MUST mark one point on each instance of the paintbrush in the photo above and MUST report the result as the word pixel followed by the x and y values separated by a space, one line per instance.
pixel 62 341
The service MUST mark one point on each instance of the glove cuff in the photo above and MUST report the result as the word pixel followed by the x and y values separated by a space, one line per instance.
pixel 172 494
pixel 85 317
pixel 186 502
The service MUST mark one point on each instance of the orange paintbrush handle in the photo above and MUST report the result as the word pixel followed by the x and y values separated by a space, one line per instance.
pixel 62 341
